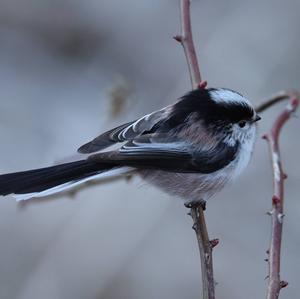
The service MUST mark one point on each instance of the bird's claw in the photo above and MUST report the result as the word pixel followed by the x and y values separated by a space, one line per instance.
pixel 196 204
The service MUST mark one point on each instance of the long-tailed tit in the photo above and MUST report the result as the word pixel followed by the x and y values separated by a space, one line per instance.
pixel 190 149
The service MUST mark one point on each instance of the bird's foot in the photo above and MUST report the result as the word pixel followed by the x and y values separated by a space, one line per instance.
pixel 196 204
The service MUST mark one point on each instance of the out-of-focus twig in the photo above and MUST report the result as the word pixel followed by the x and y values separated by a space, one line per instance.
pixel 118 96
pixel 281 96
pixel 275 283
pixel 197 211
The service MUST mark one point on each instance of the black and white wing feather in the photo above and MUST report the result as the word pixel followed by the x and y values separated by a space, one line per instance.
pixel 125 132
pixel 173 156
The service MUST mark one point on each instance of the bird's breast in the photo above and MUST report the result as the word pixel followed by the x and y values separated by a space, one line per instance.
pixel 188 186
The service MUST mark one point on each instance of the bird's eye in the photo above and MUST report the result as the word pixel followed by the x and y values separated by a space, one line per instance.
pixel 242 124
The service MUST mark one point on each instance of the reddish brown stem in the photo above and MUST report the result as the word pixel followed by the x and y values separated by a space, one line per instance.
pixel 205 247
pixel 197 213
pixel 186 40
pixel 275 284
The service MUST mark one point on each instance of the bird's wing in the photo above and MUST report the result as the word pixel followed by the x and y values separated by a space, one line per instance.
pixel 124 132
pixel 195 104
pixel 173 156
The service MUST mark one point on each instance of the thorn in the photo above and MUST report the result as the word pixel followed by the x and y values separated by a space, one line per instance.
pixel 189 214
pixel 194 227
pixel 270 213
pixel 267 251
pixel 280 217
pixel 266 277
pixel 265 137
pixel 214 242
pixel 202 85
pixel 266 260
pixel 275 200
pixel 283 284
pixel 178 38
pixel 285 176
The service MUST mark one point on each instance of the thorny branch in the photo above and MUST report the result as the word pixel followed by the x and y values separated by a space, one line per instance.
pixel 197 211
pixel 275 284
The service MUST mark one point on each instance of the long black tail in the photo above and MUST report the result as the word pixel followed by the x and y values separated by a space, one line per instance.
pixel 38 180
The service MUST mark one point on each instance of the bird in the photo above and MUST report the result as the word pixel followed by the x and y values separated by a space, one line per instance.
pixel 190 149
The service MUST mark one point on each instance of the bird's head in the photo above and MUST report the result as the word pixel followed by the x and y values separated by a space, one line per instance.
pixel 225 113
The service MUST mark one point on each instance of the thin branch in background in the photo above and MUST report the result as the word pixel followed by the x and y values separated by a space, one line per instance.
pixel 281 96
pixel 197 211
pixel 275 284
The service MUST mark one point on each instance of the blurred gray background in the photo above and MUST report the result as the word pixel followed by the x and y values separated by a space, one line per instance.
pixel 71 69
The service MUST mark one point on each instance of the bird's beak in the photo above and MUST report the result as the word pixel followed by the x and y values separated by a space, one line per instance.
pixel 257 118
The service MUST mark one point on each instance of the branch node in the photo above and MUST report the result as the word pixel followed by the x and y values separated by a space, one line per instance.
pixel 283 284
pixel 275 200
pixel 202 85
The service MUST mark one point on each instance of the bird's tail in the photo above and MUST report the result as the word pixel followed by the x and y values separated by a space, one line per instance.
pixel 50 180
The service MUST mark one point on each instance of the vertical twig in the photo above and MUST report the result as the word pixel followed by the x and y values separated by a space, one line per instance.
pixel 197 212
pixel 186 40
pixel 275 283
pixel 205 248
